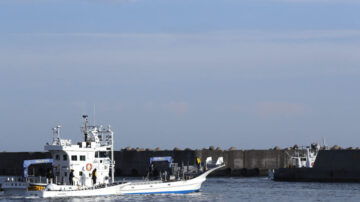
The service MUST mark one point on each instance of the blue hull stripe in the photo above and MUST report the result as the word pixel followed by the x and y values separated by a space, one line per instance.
pixel 168 192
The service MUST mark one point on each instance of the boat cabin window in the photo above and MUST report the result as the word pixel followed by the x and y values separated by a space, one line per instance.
pixel 64 157
pixel 57 157
pixel 101 154
pixel 82 158
pixel 74 158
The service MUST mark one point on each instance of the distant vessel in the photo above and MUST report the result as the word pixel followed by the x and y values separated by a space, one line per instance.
pixel 301 160
pixel 87 169
pixel 305 161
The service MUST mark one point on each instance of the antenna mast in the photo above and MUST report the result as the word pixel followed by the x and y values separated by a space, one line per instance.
pixel 112 155
pixel 85 117
pixel 94 115
pixel 56 132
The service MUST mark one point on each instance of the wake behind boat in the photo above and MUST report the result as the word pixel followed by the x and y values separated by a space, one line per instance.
pixel 87 169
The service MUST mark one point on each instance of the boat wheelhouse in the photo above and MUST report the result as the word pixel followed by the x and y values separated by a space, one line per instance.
pixel 93 156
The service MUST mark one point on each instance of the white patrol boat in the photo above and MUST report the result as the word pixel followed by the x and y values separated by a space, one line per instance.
pixel 87 169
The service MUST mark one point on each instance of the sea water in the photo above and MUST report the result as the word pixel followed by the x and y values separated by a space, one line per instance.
pixel 241 189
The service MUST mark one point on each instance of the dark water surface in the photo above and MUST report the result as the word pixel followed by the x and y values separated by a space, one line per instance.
pixel 243 189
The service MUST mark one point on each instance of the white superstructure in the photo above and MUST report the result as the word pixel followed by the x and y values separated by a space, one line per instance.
pixel 95 152
pixel 300 160
pixel 307 160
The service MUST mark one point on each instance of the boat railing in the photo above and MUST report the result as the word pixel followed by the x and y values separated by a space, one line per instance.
pixel 30 179
pixel 37 179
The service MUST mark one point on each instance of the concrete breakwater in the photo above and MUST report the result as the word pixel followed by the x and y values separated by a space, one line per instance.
pixel 135 162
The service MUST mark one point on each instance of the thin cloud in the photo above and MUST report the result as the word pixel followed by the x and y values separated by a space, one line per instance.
pixel 59 1
pixel 225 35
pixel 80 105
pixel 318 1
pixel 149 106
pixel 178 108
pixel 251 53
pixel 269 110
pixel 138 1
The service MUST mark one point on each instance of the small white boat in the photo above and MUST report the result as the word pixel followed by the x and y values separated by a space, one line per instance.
pixel 87 169
pixel 300 160
pixel 306 160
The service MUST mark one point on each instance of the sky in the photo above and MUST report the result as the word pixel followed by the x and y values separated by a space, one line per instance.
pixel 179 73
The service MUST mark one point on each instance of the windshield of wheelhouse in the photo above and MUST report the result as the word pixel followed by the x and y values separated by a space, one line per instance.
pixel 101 154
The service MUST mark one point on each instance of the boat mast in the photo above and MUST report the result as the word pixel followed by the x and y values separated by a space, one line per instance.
pixel 56 131
pixel 85 117
pixel 112 156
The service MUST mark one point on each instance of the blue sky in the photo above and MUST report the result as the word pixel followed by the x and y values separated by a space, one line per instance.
pixel 166 73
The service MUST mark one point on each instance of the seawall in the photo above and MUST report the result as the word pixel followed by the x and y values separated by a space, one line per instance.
pixel 135 162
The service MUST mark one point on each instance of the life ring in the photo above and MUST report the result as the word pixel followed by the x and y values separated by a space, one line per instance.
pixel 88 167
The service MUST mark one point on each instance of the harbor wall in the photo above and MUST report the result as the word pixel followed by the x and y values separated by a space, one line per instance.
pixel 11 163
pixel 329 166
pixel 247 162
pixel 135 162
pixel 338 159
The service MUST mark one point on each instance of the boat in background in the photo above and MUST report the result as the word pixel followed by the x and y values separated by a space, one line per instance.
pixel 307 160
pixel 301 159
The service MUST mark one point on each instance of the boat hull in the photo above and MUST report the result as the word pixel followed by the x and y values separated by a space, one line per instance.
pixel 119 188
pixel 149 187
pixel 136 187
